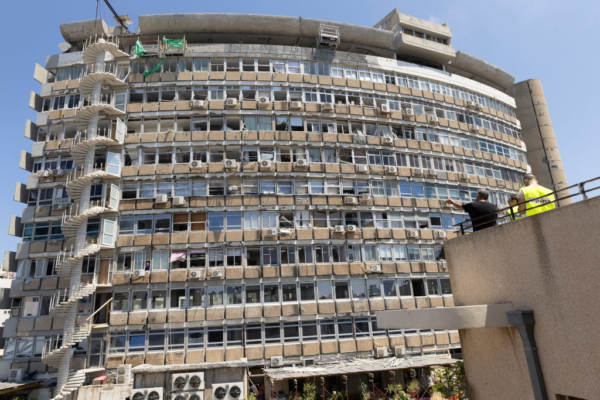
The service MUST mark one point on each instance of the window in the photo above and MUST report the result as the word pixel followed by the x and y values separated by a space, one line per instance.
pixel 272 333
pixel 389 288
pixel 445 286
pixel 196 297
pixel 291 332
pixel 120 301
pixel 341 290
pixel 156 340
pixel 271 293
pixel 289 292
pixel 215 296
pixel 215 336
pixel 234 257
pixel 374 288
pixel 433 288
pixel 234 295
pixel 195 338
pixel 159 299
pixel 359 290
pixel 418 287
pixel 307 291
pixel 345 328
pixel 327 328
pixel 324 290
pixel 234 335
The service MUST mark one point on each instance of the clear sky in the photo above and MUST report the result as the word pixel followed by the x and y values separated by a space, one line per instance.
pixel 551 40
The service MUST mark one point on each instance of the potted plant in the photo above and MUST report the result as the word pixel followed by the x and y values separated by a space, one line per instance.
pixel 412 387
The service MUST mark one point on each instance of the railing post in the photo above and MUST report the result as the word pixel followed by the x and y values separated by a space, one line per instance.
pixel 462 229
pixel 582 191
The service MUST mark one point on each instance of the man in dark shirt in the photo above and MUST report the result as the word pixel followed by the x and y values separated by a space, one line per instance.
pixel 479 208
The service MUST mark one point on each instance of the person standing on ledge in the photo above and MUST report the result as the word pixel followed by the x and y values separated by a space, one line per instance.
pixel 479 208
pixel 534 195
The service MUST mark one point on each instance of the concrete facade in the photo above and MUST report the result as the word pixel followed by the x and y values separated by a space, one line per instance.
pixel 281 193
pixel 548 264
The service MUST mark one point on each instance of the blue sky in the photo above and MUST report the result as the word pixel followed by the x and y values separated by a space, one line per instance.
pixel 545 39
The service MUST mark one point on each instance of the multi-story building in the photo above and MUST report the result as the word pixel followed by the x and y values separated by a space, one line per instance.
pixel 220 195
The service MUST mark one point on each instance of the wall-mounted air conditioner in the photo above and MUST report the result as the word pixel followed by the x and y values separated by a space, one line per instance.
pixel 382 352
pixel 296 105
pixel 231 102
pixel 384 108
pixel 230 164
pixel 391 170
pixel 433 119
pixel 124 374
pixel 195 164
pixel 375 269
pixel 271 232
pixel 412 234
pixel 340 228
pixel 327 107
pixel 302 162
pixel 277 361
pixel 216 273
pixel 263 102
pixel 350 200
pixel 266 164
pixel 161 198
pixel 366 197
pixel 388 140
pixel 418 172
pixel 139 273
pixel 363 168
pixel 351 228
pixel 178 200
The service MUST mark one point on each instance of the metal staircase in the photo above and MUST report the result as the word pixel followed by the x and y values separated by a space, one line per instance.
pixel 74 222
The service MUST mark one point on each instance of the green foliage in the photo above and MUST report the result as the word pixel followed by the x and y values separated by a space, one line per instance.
pixel 452 382
pixel 413 386
pixel 338 395
pixel 309 391
pixel 363 389
pixel 251 396
pixel 395 392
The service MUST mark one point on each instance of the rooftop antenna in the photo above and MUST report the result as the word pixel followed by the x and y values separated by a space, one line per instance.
pixel 117 17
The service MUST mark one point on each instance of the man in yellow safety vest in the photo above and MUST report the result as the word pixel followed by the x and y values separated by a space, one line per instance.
pixel 513 211
pixel 534 195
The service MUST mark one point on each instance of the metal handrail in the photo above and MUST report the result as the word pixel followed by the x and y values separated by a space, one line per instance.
pixel 581 190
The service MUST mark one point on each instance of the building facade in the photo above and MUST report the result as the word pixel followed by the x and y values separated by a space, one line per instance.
pixel 220 193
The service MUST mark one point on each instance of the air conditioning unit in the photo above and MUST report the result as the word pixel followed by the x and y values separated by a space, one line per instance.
pixel 220 392
pixel 308 362
pixel 15 375
pixel 188 381
pixel 124 374
pixel 327 107
pixel 340 228
pixel 216 273
pixel 271 232
pixel 382 352
pixel 47 173
pixel 198 104
pixel 196 396
pixel 285 232
pixel 443 264
pixel 196 274
pixel 263 102
pixel 233 188
pixel 296 105
pixel 470 104
pixel 179 396
pixel 139 273
pixel 384 108
pixel 433 119
pixel 465 176
pixel 236 390
pixel 366 197
pixel 412 234
pixel 161 198
pixel 230 164
pixel 376 269
pixel 178 200
pixel 474 128
pixel 266 164
pixel 302 163
pixel 418 172
pixel 409 111
pixel 277 361
pixel 350 200
pixel 400 351
pixel 431 172
pixel 351 228
pixel 391 170
pixel 231 102
pixel 147 394
pixel 441 234
pixel 388 140
pixel 363 168
pixel 196 164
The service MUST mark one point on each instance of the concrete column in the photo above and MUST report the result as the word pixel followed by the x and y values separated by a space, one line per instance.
pixel 92 130
pixel 96 93
pixel 99 64
pixel 538 134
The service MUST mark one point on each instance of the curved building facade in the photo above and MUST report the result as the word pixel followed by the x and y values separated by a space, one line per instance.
pixel 226 196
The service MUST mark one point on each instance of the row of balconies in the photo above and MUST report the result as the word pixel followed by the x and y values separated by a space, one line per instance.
pixel 362 346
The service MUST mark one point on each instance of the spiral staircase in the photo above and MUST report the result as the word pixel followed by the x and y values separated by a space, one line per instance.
pixel 74 222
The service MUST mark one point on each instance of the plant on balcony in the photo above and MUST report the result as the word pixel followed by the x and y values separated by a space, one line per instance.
pixel 451 382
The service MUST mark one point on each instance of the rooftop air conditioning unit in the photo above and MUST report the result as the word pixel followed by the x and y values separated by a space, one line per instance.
pixel 351 228
pixel 391 170
pixel 231 102
pixel 124 374
pixel 179 396
pixel 220 392
pixel 196 396
pixel 178 201
pixel 233 188
pixel 418 172
pixel 195 164
pixel 15 375
pixel 139 273
pixel 400 351
pixel 277 361
pixel 296 105
pixel 433 119
pixel 363 168
pixel 147 394
pixel 327 107
pixel 340 228
pixel 235 390
pixel 465 176
pixel 198 104
pixel 366 197
pixel 374 269
pixel 188 381
pixel 470 104
pixel 230 164
pixel 271 232
pixel 265 164
pixel 302 162
pixel 263 102
pixel 350 200
pixel 409 111
pixel 388 140
pixel 385 109
pixel 412 234
pixel 161 198
pixel 216 273
pixel 382 352
pixel 441 234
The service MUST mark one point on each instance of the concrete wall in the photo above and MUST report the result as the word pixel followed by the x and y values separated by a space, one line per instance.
pixel 538 134
pixel 547 263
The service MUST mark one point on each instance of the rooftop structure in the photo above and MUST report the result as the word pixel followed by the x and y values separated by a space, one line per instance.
pixel 222 193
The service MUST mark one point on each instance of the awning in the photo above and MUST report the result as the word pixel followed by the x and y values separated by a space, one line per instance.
pixel 6 388
pixel 355 366
pixel 178 255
